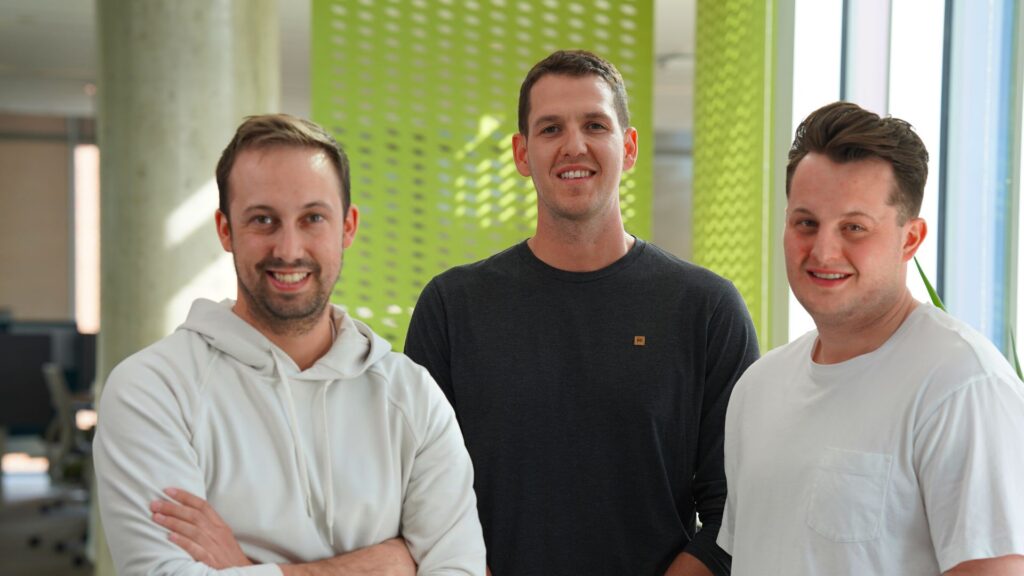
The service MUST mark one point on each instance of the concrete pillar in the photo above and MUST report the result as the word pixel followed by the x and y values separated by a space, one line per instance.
pixel 176 78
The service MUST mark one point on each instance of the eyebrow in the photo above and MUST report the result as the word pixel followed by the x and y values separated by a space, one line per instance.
pixel 257 208
pixel 844 215
pixel 556 118
pixel 268 208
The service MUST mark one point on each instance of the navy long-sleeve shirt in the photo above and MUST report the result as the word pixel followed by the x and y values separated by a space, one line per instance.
pixel 592 404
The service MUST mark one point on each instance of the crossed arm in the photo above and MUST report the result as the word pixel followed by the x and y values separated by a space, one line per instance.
pixel 197 529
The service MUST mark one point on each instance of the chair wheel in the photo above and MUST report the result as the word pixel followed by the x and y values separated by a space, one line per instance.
pixel 34 541
pixel 59 547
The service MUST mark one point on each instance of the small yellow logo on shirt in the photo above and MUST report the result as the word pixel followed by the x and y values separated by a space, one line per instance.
pixel 639 340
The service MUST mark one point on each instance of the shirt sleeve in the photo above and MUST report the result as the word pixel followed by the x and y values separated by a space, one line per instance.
pixel 426 342
pixel 727 531
pixel 967 453
pixel 142 447
pixel 439 517
pixel 731 347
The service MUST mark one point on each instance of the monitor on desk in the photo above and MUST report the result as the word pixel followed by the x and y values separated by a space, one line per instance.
pixel 85 363
pixel 24 399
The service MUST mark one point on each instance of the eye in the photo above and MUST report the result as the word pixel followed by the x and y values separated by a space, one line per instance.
pixel 262 220
pixel 805 224
pixel 856 228
pixel 596 127
pixel 551 129
pixel 316 218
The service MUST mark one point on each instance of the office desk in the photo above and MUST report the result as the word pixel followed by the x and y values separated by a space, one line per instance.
pixel 24 398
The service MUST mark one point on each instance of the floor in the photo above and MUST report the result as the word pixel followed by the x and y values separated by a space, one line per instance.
pixel 27 514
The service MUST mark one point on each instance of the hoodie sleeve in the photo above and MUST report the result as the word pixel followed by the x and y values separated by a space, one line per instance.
pixel 439 517
pixel 142 446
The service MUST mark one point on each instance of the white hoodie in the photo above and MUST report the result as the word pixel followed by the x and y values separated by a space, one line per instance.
pixel 302 465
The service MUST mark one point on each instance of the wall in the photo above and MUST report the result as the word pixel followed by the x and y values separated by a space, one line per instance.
pixel 35 218
pixel 423 96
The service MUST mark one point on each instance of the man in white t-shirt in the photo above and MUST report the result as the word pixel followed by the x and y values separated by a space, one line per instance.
pixel 889 440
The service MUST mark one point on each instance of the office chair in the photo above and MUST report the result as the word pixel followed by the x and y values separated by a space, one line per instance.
pixel 70 459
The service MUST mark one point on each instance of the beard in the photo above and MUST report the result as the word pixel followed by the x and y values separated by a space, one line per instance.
pixel 287 314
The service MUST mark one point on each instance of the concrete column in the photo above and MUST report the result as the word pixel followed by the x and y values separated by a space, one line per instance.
pixel 176 78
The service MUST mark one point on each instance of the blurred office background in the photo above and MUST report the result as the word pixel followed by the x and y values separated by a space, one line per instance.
pixel 113 114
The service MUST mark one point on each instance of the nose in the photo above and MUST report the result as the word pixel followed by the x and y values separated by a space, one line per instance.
pixel 288 244
pixel 575 143
pixel 826 247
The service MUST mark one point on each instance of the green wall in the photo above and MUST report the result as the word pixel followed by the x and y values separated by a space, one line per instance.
pixel 422 95
pixel 733 149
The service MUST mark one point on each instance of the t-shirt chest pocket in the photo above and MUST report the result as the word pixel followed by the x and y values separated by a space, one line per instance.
pixel 847 496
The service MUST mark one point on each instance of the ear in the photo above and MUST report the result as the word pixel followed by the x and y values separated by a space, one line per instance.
pixel 519 153
pixel 914 232
pixel 349 226
pixel 223 229
pixel 629 142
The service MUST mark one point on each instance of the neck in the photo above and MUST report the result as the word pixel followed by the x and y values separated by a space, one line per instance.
pixel 840 343
pixel 304 347
pixel 580 247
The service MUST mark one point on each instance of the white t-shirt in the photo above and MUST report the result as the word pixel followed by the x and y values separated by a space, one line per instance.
pixel 906 460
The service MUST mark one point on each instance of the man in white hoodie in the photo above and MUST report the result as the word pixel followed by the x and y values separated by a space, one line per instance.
pixel 275 434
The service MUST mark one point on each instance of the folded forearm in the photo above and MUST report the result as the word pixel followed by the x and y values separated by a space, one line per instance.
pixel 385 559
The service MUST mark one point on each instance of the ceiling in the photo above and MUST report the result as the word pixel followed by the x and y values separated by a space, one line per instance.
pixel 48 59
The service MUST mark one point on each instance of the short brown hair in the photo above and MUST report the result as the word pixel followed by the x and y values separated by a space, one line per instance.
pixel 845 132
pixel 269 130
pixel 574 63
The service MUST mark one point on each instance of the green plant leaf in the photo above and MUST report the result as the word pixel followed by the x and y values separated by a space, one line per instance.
pixel 931 291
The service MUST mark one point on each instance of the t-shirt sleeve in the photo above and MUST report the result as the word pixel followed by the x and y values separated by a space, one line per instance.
pixel 426 342
pixel 731 347
pixel 970 464
pixel 726 533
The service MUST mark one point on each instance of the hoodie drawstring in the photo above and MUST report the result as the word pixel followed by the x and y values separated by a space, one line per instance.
pixel 328 465
pixel 293 425
pixel 304 475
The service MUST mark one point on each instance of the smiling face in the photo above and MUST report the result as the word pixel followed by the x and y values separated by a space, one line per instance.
pixel 846 251
pixel 575 150
pixel 287 232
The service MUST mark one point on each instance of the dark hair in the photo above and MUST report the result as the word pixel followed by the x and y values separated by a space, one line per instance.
pixel 845 132
pixel 269 130
pixel 574 63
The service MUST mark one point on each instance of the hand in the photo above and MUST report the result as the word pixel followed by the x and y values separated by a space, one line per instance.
pixel 687 564
pixel 197 529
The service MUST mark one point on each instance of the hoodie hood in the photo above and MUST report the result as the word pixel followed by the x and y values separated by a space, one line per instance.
pixel 355 349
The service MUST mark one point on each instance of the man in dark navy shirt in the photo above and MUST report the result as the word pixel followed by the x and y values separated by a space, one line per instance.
pixel 589 370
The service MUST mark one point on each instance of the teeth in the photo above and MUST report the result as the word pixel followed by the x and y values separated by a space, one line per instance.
pixel 290 278
pixel 828 276
pixel 574 174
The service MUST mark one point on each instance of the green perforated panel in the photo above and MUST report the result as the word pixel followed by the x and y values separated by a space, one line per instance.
pixel 732 168
pixel 422 95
